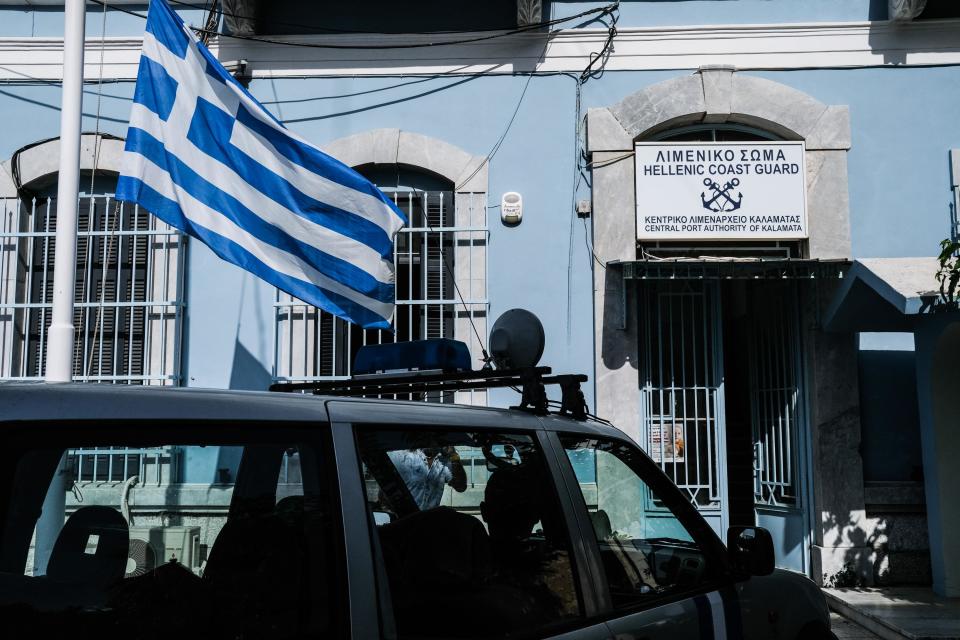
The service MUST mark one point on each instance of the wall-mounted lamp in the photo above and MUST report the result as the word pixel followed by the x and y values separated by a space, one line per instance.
pixel 511 208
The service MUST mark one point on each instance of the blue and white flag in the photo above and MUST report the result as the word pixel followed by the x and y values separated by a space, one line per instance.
pixel 204 156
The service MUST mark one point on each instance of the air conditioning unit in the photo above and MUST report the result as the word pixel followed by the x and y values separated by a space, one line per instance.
pixel 153 546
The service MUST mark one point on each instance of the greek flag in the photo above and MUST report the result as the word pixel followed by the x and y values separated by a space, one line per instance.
pixel 204 156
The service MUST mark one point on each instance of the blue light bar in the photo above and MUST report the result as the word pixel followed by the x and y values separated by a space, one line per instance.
pixel 418 355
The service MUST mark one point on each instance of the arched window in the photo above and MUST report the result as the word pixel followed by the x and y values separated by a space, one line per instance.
pixel 440 280
pixel 715 133
pixel 128 289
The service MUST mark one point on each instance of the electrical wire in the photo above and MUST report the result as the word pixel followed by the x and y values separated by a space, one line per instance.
pixel 96 126
pixel 594 69
pixel 586 241
pixel 459 80
pixel 600 11
pixel 608 161
pixel 503 136
pixel 350 95
pixel 210 25
pixel 87 285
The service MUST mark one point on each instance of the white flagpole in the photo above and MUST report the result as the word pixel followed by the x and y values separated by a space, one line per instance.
pixel 60 341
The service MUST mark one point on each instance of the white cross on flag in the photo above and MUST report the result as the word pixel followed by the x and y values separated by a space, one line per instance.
pixel 203 155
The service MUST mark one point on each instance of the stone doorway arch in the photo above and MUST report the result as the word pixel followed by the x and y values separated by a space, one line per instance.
pixel 716 95
pixel 722 95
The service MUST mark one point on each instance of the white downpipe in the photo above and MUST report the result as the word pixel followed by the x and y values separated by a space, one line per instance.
pixel 60 345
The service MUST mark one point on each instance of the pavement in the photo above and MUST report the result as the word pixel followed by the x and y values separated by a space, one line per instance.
pixel 846 630
pixel 898 613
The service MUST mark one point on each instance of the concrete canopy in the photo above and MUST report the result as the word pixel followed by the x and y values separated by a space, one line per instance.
pixel 883 294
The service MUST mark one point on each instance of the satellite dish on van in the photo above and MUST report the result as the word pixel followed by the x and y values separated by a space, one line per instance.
pixel 516 340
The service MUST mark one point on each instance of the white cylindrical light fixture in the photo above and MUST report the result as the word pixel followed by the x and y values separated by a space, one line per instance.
pixel 511 208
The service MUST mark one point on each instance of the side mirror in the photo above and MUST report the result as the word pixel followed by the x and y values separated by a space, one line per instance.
pixel 751 550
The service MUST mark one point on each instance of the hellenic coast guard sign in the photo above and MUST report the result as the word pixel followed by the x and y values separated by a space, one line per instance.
pixel 721 191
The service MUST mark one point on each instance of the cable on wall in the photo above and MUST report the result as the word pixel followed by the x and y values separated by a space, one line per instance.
pixel 594 69
pixel 213 18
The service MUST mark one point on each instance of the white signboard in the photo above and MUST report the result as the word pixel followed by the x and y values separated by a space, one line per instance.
pixel 721 191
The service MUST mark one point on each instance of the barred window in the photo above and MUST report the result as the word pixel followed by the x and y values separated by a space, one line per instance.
pixel 97 465
pixel 128 291
pixel 440 256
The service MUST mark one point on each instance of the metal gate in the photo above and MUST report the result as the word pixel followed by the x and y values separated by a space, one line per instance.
pixel 683 422
pixel 681 356
pixel 775 399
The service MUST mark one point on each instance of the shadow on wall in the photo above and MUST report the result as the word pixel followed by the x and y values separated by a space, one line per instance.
pixel 885 549
pixel 248 373
pixel 860 557
pixel 889 37
pixel 618 344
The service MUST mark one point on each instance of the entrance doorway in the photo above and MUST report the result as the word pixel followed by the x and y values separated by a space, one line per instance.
pixel 722 402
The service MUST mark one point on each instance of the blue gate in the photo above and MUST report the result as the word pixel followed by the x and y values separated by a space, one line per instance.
pixel 683 421
pixel 681 382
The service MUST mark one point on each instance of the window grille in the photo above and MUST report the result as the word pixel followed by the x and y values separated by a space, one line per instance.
pixel 680 386
pixel 441 250
pixel 128 291
pixel 153 467
pixel 775 392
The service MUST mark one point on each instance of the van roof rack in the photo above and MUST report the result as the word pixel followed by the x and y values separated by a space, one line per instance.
pixel 530 382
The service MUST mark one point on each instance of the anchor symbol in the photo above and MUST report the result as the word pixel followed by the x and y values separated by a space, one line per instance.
pixel 721 200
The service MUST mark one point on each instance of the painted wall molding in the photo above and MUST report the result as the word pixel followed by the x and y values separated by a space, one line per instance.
pixel 747 47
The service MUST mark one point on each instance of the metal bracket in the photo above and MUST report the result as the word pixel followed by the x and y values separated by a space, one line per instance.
pixel 573 404
pixel 533 396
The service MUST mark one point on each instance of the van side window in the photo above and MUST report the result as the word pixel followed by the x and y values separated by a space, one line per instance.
pixel 646 550
pixel 212 538
pixel 470 531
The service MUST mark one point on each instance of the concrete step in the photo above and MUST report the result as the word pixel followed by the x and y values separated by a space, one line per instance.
pixel 902 613
pixel 879 629
pixel 846 629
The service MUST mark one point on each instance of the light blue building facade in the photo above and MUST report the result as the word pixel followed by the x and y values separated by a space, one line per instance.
pixel 754 371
